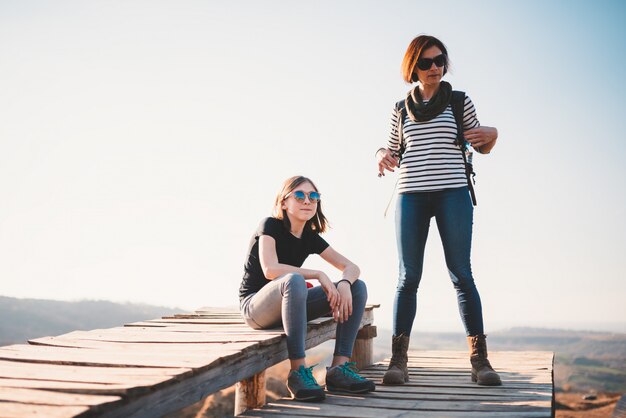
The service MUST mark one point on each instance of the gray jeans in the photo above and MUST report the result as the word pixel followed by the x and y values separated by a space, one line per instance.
pixel 282 302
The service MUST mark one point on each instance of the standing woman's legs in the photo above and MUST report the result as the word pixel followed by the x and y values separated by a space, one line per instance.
pixel 454 214
pixel 412 224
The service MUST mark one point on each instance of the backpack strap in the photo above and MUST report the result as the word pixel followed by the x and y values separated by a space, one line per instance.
pixel 458 109
pixel 401 112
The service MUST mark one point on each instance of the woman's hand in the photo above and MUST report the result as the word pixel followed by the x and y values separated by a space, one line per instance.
pixel 345 304
pixel 482 138
pixel 386 161
pixel 351 273
pixel 332 294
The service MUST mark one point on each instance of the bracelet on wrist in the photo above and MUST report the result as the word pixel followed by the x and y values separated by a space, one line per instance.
pixel 345 280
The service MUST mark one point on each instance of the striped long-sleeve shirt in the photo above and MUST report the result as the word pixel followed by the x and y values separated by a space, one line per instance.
pixel 431 160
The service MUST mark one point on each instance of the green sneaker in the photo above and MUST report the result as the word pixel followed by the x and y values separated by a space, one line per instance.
pixel 303 386
pixel 344 378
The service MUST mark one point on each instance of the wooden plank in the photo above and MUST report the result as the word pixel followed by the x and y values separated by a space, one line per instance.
pixel 301 409
pixel 173 337
pixel 206 320
pixel 165 337
pixel 113 358
pixel 182 349
pixel 446 405
pixel 151 322
pixel 47 397
pixel 197 326
pixel 22 410
pixel 82 387
pixel 510 378
pixel 108 375
pixel 472 389
pixel 459 395
pixel 216 309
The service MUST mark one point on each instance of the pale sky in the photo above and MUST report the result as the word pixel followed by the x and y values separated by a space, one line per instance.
pixel 141 143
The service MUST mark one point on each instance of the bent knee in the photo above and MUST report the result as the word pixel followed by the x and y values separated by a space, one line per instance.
pixel 295 283
pixel 359 288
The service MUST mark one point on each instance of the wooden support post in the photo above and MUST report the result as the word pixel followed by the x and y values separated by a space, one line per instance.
pixel 363 352
pixel 250 393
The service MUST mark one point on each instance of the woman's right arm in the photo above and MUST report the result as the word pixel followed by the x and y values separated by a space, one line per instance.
pixel 387 158
pixel 273 269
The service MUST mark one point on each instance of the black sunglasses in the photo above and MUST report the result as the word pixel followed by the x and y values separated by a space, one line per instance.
pixel 299 195
pixel 425 63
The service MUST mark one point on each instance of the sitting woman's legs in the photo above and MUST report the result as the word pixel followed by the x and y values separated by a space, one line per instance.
pixel 317 305
pixel 281 301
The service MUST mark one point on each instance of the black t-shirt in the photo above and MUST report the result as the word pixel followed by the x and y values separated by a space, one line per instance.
pixel 289 249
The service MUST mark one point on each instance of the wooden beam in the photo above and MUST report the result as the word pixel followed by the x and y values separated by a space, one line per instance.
pixel 363 350
pixel 250 393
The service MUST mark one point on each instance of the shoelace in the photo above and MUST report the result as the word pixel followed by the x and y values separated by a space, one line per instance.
pixel 307 375
pixel 350 370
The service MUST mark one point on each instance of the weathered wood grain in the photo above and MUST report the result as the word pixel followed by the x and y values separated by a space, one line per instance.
pixel 250 393
pixel 202 353
pixel 112 358
pixel 151 368
pixel 300 409
pixel 110 375
pixel 447 394
pixel 46 397
pixel 165 347
pixel 22 410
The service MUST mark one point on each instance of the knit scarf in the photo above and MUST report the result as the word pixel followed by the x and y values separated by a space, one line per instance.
pixel 419 111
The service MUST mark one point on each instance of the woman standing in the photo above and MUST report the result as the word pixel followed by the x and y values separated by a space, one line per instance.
pixel 427 145
pixel 273 291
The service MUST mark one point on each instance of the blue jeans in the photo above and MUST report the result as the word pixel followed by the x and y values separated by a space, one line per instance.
pixel 286 301
pixel 453 211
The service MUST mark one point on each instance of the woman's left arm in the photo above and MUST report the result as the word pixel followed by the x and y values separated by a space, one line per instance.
pixel 482 138
pixel 350 270
pixel 351 273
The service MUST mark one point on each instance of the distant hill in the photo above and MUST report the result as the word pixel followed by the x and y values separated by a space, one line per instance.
pixel 24 319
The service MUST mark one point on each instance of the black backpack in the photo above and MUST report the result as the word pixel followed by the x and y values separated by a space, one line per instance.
pixel 458 105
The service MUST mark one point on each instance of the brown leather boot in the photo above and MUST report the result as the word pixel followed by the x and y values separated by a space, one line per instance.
pixel 398 373
pixel 482 372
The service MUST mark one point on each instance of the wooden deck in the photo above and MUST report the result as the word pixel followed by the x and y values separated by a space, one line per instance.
pixel 144 369
pixel 151 368
pixel 440 386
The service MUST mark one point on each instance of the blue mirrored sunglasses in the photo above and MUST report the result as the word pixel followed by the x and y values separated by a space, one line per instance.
pixel 299 195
